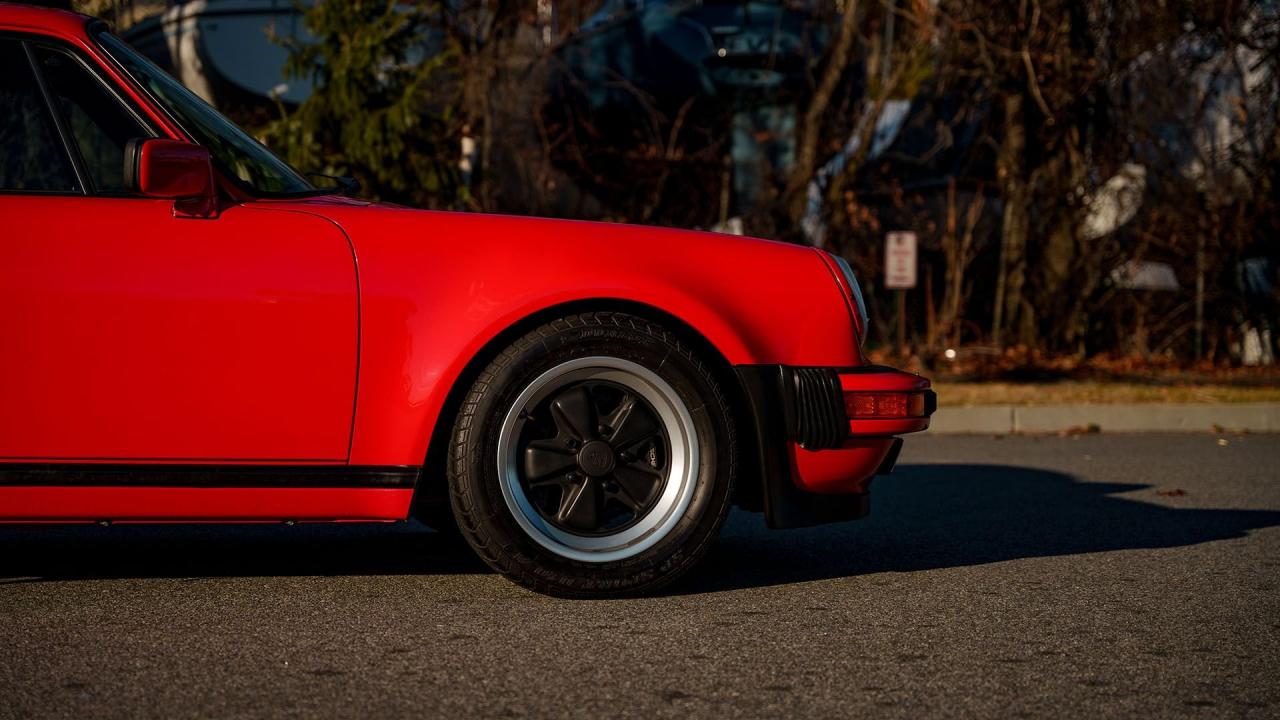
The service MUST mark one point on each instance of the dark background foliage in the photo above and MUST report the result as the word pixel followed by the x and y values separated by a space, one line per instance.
pixel 1046 145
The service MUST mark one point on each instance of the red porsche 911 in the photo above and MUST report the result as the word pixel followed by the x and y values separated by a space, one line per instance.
pixel 192 332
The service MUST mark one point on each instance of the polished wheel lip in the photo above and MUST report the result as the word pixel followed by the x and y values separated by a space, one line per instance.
pixel 677 493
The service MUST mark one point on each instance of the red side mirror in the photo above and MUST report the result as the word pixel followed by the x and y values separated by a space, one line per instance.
pixel 175 170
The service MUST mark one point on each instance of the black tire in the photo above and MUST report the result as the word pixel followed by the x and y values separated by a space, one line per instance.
pixel 490 523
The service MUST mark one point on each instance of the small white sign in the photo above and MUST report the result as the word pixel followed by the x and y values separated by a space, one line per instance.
pixel 900 260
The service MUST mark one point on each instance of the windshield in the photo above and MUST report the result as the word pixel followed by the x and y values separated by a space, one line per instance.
pixel 242 158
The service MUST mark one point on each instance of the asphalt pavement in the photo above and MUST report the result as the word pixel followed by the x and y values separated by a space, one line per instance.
pixel 1101 575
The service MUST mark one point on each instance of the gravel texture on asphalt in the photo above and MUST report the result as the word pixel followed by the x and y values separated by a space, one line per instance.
pixel 1103 575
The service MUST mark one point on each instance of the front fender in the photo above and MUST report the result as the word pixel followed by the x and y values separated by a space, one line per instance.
pixel 436 288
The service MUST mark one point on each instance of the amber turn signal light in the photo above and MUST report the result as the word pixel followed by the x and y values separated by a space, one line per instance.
pixel 860 405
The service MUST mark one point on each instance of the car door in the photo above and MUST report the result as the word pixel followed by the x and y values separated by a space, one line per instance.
pixel 128 334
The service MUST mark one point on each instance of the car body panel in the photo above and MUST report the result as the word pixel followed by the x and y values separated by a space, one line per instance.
pixel 137 335
pixel 437 286
pixel 847 470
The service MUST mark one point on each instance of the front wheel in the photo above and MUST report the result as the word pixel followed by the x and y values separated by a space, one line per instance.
pixel 593 457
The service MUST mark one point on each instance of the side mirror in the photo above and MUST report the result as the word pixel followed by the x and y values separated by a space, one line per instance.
pixel 173 170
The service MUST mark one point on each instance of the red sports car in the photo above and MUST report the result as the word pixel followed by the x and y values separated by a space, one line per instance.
pixel 192 332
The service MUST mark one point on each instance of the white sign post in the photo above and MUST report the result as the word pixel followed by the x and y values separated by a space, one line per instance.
pixel 900 260
pixel 900 264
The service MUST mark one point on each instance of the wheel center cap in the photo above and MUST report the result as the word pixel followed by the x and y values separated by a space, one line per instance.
pixel 596 458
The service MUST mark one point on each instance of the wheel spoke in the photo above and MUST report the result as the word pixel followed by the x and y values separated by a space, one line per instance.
pixel 560 481
pixel 574 413
pixel 637 481
pixel 621 494
pixel 632 424
pixel 580 506
pixel 546 459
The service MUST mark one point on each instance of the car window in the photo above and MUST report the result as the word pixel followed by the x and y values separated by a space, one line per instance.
pixel 95 118
pixel 240 157
pixel 31 155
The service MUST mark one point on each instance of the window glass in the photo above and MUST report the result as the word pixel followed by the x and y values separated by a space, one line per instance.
pixel 31 155
pixel 95 118
pixel 234 152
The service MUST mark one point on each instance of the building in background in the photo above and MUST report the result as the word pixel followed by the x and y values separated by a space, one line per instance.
pixel 228 51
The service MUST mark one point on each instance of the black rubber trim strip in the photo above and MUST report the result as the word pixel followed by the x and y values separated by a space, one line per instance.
pixel 69 146
pixel 207 476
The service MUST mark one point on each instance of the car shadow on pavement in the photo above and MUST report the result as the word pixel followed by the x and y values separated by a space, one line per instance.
pixel 940 516
pixel 67 552
pixel 923 517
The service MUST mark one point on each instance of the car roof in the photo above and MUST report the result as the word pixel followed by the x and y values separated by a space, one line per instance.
pixel 49 21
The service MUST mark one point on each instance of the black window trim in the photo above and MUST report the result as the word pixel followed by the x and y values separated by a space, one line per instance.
pixel 69 145
pixel 71 149
pixel 73 158
pixel 147 127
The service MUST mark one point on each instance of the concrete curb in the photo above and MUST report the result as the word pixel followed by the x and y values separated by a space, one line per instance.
pixel 1153 417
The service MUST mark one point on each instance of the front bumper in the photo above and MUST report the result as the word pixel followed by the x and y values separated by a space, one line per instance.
pixel 822 434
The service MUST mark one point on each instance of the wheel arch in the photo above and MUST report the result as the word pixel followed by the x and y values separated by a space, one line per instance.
pixel 431 493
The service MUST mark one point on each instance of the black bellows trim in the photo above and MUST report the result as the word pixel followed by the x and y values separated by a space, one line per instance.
pixel 821 422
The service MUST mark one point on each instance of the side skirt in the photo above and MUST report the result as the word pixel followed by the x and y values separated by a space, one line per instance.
pixel 93 492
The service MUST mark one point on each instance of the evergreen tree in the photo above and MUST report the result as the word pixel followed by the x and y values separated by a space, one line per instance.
pixel 383 103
